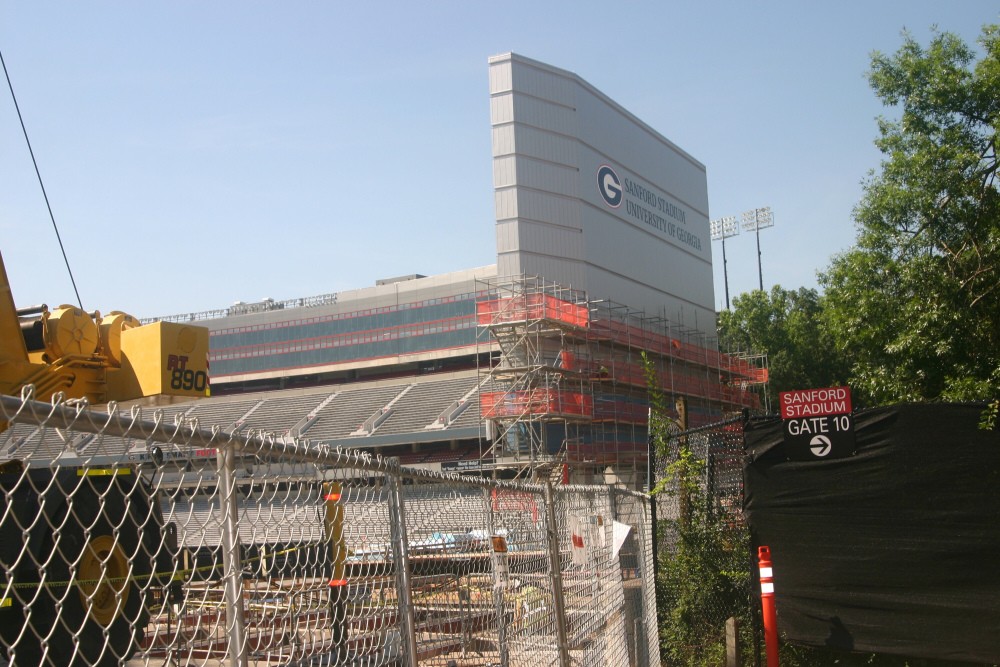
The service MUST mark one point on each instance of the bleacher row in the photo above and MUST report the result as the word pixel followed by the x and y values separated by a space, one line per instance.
pixel 433 513
pixel 412 410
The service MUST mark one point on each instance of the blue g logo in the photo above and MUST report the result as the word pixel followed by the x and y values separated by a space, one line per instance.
pixel 609 186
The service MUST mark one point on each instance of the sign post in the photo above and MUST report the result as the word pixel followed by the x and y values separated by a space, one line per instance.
pixel 818 423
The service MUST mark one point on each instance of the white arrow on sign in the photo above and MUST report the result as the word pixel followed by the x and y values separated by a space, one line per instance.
pixel 820 445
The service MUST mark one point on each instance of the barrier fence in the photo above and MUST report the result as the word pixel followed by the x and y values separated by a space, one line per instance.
pixel 126 540
pixel 703 545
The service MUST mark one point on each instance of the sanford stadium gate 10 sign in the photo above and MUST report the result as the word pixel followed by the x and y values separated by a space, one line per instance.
pixel 818 423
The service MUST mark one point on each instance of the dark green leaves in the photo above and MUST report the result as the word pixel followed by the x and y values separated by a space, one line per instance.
pixel 915 306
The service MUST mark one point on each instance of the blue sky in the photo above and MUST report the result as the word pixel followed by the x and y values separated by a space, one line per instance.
pixel 200 153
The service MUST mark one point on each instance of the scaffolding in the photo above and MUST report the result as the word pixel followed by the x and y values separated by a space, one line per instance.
pixel 566 391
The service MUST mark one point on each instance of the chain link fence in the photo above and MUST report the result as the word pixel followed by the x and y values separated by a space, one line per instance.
pixel 127 540
pixel 703 544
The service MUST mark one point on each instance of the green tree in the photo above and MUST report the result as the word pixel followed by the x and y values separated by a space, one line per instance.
pixel 788 326
pixel 915 305
pixel 703 578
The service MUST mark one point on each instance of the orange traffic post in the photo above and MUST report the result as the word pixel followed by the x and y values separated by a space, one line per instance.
pixel 768 609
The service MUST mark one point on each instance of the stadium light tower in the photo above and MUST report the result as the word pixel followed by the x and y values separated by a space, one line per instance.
pixel 722 229
pixel 755 220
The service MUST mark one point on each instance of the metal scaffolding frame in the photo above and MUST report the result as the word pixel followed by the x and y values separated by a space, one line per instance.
pixel 567 387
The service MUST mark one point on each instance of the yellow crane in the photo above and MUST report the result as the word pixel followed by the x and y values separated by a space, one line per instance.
pixel 100 358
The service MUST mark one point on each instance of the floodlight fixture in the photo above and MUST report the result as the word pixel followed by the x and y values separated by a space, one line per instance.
pixel 755 220
pixel 722 229
pixel 758 218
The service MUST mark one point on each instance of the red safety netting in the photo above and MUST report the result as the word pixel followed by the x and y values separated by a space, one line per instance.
pixel 535 401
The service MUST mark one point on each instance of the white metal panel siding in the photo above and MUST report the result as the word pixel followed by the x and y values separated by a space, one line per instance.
pixel 507 236
pixel 532 80
pixel 500 76
pixel 544 115
pixel 509 263
pixel 636 253
pixel 548 146
pixel 504 171
pixel 549 208
pixel 504 143
pixel 553 240
pixel 506 204
pixel 559 179
pixel 572 273
pixel 563 131
pixel 612 133
pixel 502 109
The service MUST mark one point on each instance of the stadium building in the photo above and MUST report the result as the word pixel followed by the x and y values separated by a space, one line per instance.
pixel 533 365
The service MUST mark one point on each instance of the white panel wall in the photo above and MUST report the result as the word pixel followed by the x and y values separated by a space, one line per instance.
pixel 552 133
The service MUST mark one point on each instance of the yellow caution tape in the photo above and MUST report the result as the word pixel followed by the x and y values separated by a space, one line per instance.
pixel 102 472
pixel 173 575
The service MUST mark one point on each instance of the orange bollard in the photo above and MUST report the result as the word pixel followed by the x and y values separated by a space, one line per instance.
pixel 770 612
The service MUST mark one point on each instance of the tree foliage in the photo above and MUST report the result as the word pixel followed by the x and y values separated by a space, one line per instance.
pixel 704 578
pixel 915 305
pixel 788 327
pixel 912 311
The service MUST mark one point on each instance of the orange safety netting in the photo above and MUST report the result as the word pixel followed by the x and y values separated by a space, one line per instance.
pixel 535 401
pixel 531 307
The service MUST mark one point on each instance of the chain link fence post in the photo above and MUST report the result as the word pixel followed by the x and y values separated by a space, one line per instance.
pixel 648 566
pixel 236 649
pixel 555 568
pixel 401 557
pixel 501 579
